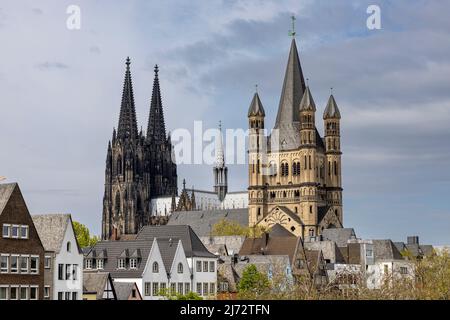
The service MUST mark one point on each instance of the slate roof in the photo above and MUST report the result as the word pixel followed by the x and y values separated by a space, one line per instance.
pixel 167 247
pixel 332 110
pixel 415 249
pixel 95 282
pixel 202 221
pixel 6 191
pixel 339 235
pixel 124 290
pixel 386 250
pixel 51 229
pixel 270 245
pixel 307 103
pixel 191 243
pixel 256 107
pixel 279 231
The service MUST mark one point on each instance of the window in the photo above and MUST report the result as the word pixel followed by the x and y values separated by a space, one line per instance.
pixel 199 289
pixel 69 246
pixel 211 266
pixel 133 293
pixel 24 232
pixel 88 263
pixel 75 272
pixel 121 263
pixel 74 296
pixel 162 287
pixel 60 295
pixel 205 289
pixel 199 266
pixel 212 288
pixel 172 288
pixel 311 232
pixel 180 288
pixel 133 263
pixel 4 293
pixel 155 267
pixel 60 271
pixel 147 289
pixel 46 292
pixel 100 264
pixel 68 272
pixel 34 265
pixel 67 296
pixel 14 266
pixel 205 266
pixel 4 263
pixel 15 231
pixel 33 293
pixel 14 293
pixel 24 264
pixel 6 231
pixel 223 286
pixel 187 287
pixel 369 253
pixel 47 262
pixel 180 268
pixel 23 293
pixel 403 270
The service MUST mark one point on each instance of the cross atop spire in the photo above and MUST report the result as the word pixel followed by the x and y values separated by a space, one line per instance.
pixel 292 32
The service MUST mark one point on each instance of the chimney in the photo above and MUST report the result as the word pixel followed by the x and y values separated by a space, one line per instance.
pixel 413 240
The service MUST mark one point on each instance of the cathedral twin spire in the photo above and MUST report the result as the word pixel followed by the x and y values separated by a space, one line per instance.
pixel 127 127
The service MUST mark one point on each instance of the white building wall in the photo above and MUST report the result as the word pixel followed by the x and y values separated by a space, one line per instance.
pixel 203 277
pixel 68 258
pixel 149 276
pixel 185 276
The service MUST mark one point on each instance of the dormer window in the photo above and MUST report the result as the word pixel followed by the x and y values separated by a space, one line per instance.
pixel 100 264
pixel 121 263
pixel 88 264
pixel 133 263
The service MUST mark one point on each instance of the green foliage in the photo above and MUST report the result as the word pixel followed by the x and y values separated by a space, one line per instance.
pixel 83 235
pixel 176 296
pixel 231 228
pixel 253 284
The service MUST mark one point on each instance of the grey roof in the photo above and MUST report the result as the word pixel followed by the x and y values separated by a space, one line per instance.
pixel 191 243
pixel 307 103
pixel 95 282
pixel 339 235
pixel 415 249
pixel 124 289
pixel 167 247
pixel 275 263
pixel 385 250
pixel 279 231
pixel 203 221
pixel 332 110
pixel 256 107
pixel 6 191
pixel 51 229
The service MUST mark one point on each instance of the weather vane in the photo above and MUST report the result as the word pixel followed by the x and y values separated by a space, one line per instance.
pixel 292 32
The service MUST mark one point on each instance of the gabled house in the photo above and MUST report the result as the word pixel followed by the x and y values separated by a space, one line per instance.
pixel 98 286
pixel 21 249
pixel 63 274
pixel 161 258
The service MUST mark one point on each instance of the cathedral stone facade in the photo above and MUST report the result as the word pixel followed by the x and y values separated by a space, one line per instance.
pixel 138 167
pixel 295 174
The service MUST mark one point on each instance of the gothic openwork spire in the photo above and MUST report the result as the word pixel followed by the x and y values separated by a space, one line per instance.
pixel 220 158
pixel 127 119
pixel 156 129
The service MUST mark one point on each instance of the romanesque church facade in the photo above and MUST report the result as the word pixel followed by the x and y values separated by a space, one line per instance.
pixel 295 174
pixel 138 167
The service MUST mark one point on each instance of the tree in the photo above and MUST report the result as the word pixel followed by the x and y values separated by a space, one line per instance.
pixel 83 235
pixel 169 295
pixel 232 228
pixel 253 284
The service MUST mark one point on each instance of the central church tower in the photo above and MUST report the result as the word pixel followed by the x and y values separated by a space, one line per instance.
pixel 295 174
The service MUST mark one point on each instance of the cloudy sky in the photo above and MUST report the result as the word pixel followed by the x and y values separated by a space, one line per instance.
pixel 60 95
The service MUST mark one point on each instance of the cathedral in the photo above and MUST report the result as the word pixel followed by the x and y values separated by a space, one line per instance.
pixel 138 167
pixel 294 173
